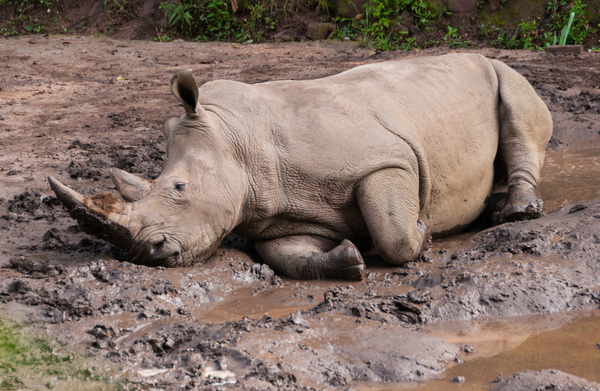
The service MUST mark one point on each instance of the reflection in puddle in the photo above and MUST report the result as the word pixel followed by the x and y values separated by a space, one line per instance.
pixel 509 345
pixel 570 176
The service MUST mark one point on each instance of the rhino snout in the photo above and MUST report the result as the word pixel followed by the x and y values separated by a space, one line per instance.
pixel 162 251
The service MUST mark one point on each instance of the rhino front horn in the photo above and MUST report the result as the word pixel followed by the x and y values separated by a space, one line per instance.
pixel 69 198
pixel 103 215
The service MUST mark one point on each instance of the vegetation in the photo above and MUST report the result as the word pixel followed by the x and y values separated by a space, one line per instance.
pixel 381 24
pixel 568 25
pixel 27 23
pixel 569 21
pixel 216 20
pixel 29 362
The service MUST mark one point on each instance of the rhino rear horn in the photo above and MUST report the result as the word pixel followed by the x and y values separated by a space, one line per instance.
pixel 129 186
pixel 184 87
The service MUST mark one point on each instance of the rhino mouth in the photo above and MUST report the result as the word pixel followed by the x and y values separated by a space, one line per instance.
pixel 159 251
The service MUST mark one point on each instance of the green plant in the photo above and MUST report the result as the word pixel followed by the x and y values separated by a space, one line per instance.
pixel 527 33
pixel 565 31
pixel 379 26
pixel 177 13
pixel 453 38
pixel 216 19
pixel 569 22
pixel 29 362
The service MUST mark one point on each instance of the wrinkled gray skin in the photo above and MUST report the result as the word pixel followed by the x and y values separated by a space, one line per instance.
pixel 374 157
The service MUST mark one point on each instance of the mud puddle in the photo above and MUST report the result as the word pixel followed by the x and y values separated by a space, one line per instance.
pixel 570 176
pixel 502 346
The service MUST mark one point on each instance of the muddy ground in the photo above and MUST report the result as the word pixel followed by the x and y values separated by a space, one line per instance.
pixel 72 107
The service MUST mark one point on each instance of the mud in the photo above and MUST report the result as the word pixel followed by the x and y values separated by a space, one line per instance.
pixel 234 323
pixel 548 379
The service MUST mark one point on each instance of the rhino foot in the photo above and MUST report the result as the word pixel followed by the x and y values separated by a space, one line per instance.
pixel 313 258
pixel 348 264
pixel 523 203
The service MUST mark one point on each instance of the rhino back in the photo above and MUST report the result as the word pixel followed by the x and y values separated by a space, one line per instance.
pixel 312 141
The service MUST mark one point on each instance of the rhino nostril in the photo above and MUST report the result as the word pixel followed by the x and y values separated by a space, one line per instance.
pixel 157 245
pixel 161 247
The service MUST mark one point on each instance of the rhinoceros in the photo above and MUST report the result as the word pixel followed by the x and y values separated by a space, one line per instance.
pixel 374 158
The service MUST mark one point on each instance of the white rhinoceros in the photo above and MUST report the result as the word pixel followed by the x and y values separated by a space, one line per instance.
pixel 373 157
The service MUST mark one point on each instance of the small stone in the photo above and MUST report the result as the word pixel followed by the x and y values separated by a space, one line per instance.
pixel 458 379
pixel 318 31
pixel 497 379
pixel 467 349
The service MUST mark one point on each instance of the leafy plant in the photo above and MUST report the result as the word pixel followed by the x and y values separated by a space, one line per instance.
pixel 177 13
pixel 566 29
pixel 454 39
pixel 569 22
pixel 379 27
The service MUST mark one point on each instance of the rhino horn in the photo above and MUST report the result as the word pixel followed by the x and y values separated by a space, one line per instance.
pixel 102 215
pixel 69 198
pixel 132 188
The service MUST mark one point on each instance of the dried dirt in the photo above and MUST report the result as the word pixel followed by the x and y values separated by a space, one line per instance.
pixel 72 107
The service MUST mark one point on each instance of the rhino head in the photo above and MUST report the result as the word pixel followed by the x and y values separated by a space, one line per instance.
pixel 181 217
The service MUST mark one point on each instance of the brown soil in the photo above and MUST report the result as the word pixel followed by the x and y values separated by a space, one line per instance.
pixel 72 107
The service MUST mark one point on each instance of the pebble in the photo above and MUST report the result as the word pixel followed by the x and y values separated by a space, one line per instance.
pixel 458 379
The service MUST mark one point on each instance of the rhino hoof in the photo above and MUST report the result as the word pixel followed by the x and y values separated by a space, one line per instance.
pixel 353 273
pixel 523 204
pixel 353 266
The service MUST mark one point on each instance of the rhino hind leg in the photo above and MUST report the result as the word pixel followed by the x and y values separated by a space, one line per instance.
pixel 312 258
pixel 525 129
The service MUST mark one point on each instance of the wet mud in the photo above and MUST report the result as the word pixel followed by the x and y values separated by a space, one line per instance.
pixel 233 322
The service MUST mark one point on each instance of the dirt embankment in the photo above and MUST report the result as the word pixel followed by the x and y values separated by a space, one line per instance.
pixel 74 107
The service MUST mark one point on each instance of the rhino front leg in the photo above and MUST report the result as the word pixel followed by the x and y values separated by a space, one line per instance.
pixel 308 257
pixel 389 203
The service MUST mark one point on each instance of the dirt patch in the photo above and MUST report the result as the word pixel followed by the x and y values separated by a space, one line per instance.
pixel 65 112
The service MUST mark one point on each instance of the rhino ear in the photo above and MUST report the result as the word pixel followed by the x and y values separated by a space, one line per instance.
pixel 170 126
pixel 184 87
pixel 131 187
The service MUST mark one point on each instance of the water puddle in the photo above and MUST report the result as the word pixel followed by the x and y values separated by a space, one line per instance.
pixel 570 176
pixel 564 341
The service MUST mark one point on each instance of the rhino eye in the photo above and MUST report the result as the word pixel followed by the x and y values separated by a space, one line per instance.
pixel 180 186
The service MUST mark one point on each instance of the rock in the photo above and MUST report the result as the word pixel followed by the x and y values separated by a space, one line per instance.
pixel 406 19
pixel 497 379
pixel 458 379
pixel 350 8
pixel 318 31
pixel 565 49
pixel 466 7
pixel 467 349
